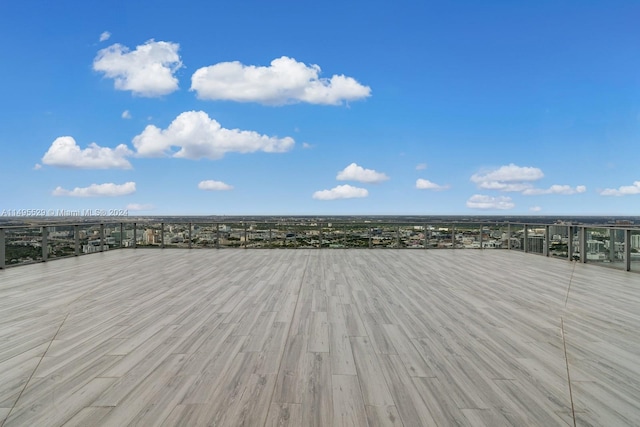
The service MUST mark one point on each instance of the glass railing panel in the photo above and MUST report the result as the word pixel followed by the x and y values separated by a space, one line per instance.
pixel 61 241
pixel 412 236
pixel 307 235
pixel 598 245
pixel 333 235
pixel 113 235
pixel 612 247
pixel 384 236
pixel 23 245
pixel 440 236
pixel 494 236
pixel 257 236
pixel 536 239
pixel 559 241
pixel 356 235
pixel 468 236
pixel 176 235
pixel 203 235
pixel 231 235
pixel 635 250
pixel 148 235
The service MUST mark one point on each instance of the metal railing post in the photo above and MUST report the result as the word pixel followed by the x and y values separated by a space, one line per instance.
pixel 509 236
pixel 424 232
pixel 627 249
pixel 583 244
pixel 101 237
pixel 162 235
pixel 546 241
pixel 245 235
pixel 320 234
pixel 76 238
pixel 269 241
pixel 453 236
pixel 190 235
pixel 397 236
pixel 45 243
pixel 2 249
pixel 570 243
pixel 612 245
pixel 135 236
pixel 525 242
pixel 121 243
pixel 481 243
pixel 217 235
pixel 370 237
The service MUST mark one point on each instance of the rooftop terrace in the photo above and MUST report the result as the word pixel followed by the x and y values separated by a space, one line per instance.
pixel 318 337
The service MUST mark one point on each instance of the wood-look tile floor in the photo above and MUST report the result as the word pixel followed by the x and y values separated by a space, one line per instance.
pixel 318 337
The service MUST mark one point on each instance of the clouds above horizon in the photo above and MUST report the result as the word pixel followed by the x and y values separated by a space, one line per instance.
pixel 284 81
pixel 555 189
pixel 508 178
pixel 64 152
pixel 425 184
pixel 624 190
pixel 341 192
pixel 211 185
pixel 198 136
pixel 98 190
pixel 354 172
pixel 106 35
pixel 147 71
pixel 479 201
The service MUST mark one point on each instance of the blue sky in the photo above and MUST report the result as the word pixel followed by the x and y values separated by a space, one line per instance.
pixel 373 107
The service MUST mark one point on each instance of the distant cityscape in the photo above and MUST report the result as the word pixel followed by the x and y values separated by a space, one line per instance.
pixel 23 238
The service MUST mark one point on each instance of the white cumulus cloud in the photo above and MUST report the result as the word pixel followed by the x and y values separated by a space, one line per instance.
pixel 126 114
pixel 479 201
pixel 353 172
pixel 425 184
pixel 64 152
pixel 197 136
pixel 98 190
pixel 285 81
pixel 341 192
pixel 147 71
pixel 624 190
pixel 140 207
pixel 106 35
pixel 508 178
pixel 212 185
pixel 555 189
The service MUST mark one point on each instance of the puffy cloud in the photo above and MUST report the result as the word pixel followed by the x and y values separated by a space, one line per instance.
pixel 285 81
pixel 106 35
pixel 478 201
pixel 146 71
pixel 624 190
pixel 425 184
pixel 64 152
pixel 198 136
pixel 508 178
pixel 212 185
pixel 341 192
pixel 98 190
pixel 126 114
pixel 421 166
pixel 353 172
pixel 555 189
pixel 140 207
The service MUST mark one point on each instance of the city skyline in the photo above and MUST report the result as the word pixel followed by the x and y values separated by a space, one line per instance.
pixel 347 109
